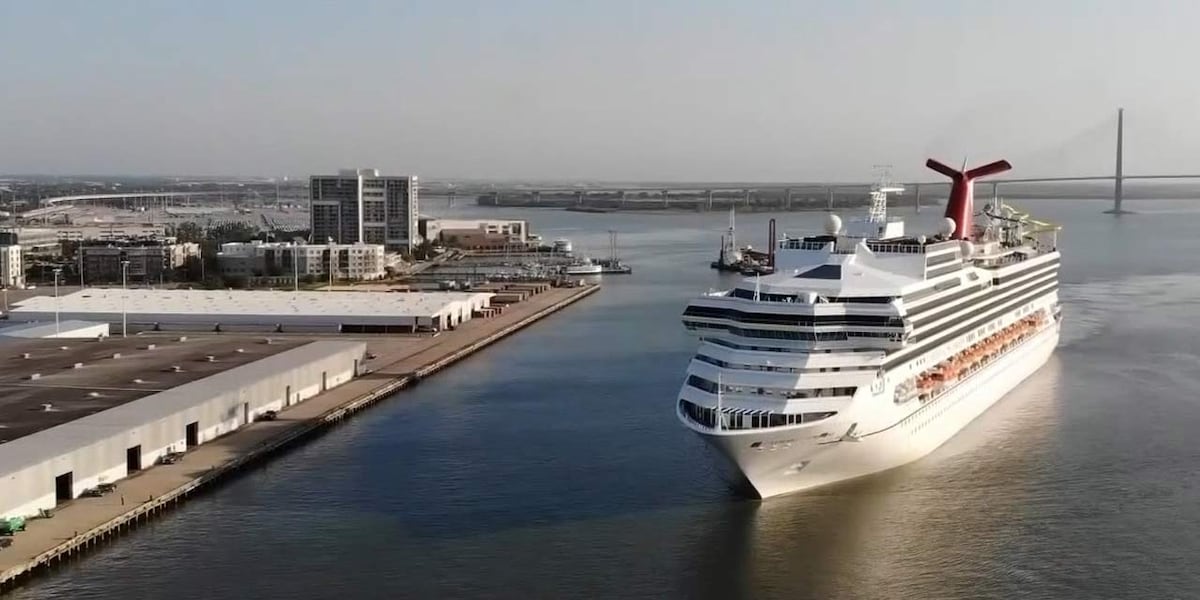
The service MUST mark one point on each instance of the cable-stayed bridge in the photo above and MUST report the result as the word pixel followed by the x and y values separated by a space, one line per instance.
pixel 812 195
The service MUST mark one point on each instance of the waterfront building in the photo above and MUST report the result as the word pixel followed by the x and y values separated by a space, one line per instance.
pixel 361 206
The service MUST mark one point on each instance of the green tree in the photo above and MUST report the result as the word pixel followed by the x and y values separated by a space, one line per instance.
pixel 188 232
pixel 236 282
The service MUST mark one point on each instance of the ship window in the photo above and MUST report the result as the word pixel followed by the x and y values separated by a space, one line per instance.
pixel 937 271
pixel 933 261
pixel 823 272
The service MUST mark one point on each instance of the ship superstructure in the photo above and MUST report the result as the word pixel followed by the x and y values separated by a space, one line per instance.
pixel 869 346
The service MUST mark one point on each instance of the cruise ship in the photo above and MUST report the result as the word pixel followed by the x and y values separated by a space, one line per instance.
pixel 870 346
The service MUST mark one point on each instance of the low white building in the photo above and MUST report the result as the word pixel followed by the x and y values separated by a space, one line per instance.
pixel 12 270
pixel 54 465
pixel 273 259
pixel 252 310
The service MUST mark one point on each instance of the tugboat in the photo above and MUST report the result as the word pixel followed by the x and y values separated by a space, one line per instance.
pixel 746 261
pixel 612 264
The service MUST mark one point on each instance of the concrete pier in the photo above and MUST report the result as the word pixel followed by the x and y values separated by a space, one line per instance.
pixel 82 524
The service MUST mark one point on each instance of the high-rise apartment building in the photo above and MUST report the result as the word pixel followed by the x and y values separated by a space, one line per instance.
pixel 361 206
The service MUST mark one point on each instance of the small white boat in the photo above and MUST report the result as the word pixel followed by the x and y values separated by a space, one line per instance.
pixel 583 267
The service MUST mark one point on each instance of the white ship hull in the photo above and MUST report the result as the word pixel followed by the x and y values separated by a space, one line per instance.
pixel 791 459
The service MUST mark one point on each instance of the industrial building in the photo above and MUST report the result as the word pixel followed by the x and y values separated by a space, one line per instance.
pixel 361 206
pixel 57 439
pixel 246 310
pixel 33 241
pixel 356 262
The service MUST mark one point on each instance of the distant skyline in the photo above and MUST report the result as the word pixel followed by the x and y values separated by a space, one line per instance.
pixel 606 90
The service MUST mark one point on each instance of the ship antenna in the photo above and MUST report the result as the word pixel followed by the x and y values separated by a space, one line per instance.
pixel 757 284
pixel 877 209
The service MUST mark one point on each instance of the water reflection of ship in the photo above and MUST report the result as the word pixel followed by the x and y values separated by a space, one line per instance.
pixel 746 261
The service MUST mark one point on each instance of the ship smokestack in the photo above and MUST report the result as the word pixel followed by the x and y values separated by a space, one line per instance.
pixel 960 206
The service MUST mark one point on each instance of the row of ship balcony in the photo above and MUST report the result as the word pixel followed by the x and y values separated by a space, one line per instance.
pixel 798 298
pixel 711 387
pixel 885 319
pixel 869 339
pixel 748 344
pixel 870 365
pixel 830 243
pixel 738 419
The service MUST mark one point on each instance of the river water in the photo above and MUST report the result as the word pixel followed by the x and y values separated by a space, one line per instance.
pixel 552 465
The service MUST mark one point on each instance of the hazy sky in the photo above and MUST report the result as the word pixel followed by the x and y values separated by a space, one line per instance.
pixel 610 89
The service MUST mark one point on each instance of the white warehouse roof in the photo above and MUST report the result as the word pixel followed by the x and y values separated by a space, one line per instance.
pixel 65 329
pixel 85 431
pixel 251 307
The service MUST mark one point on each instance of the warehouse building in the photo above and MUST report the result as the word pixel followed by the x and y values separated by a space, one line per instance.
pixel 246 310
pixel 50 459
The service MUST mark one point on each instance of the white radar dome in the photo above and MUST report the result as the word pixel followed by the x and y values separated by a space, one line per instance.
pixel 833 224
pixel 921 239
pixel 968 250
pixel 948 227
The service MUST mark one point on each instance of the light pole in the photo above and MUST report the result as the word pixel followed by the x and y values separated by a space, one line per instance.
pixel 57 272
pixel 295 260
pixel 330 246
pixel 124 294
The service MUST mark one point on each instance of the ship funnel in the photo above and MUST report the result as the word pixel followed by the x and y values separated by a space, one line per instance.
pixel 960 207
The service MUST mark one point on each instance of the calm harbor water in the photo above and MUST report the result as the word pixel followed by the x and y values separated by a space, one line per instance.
pixel 552 465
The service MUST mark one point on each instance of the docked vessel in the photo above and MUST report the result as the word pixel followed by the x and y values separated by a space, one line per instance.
pixel 562 246
pixel 745 260
pixel 583 266
pixel 869 347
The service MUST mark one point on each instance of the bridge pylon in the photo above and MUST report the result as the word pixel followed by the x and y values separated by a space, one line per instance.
pixel 1119 178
